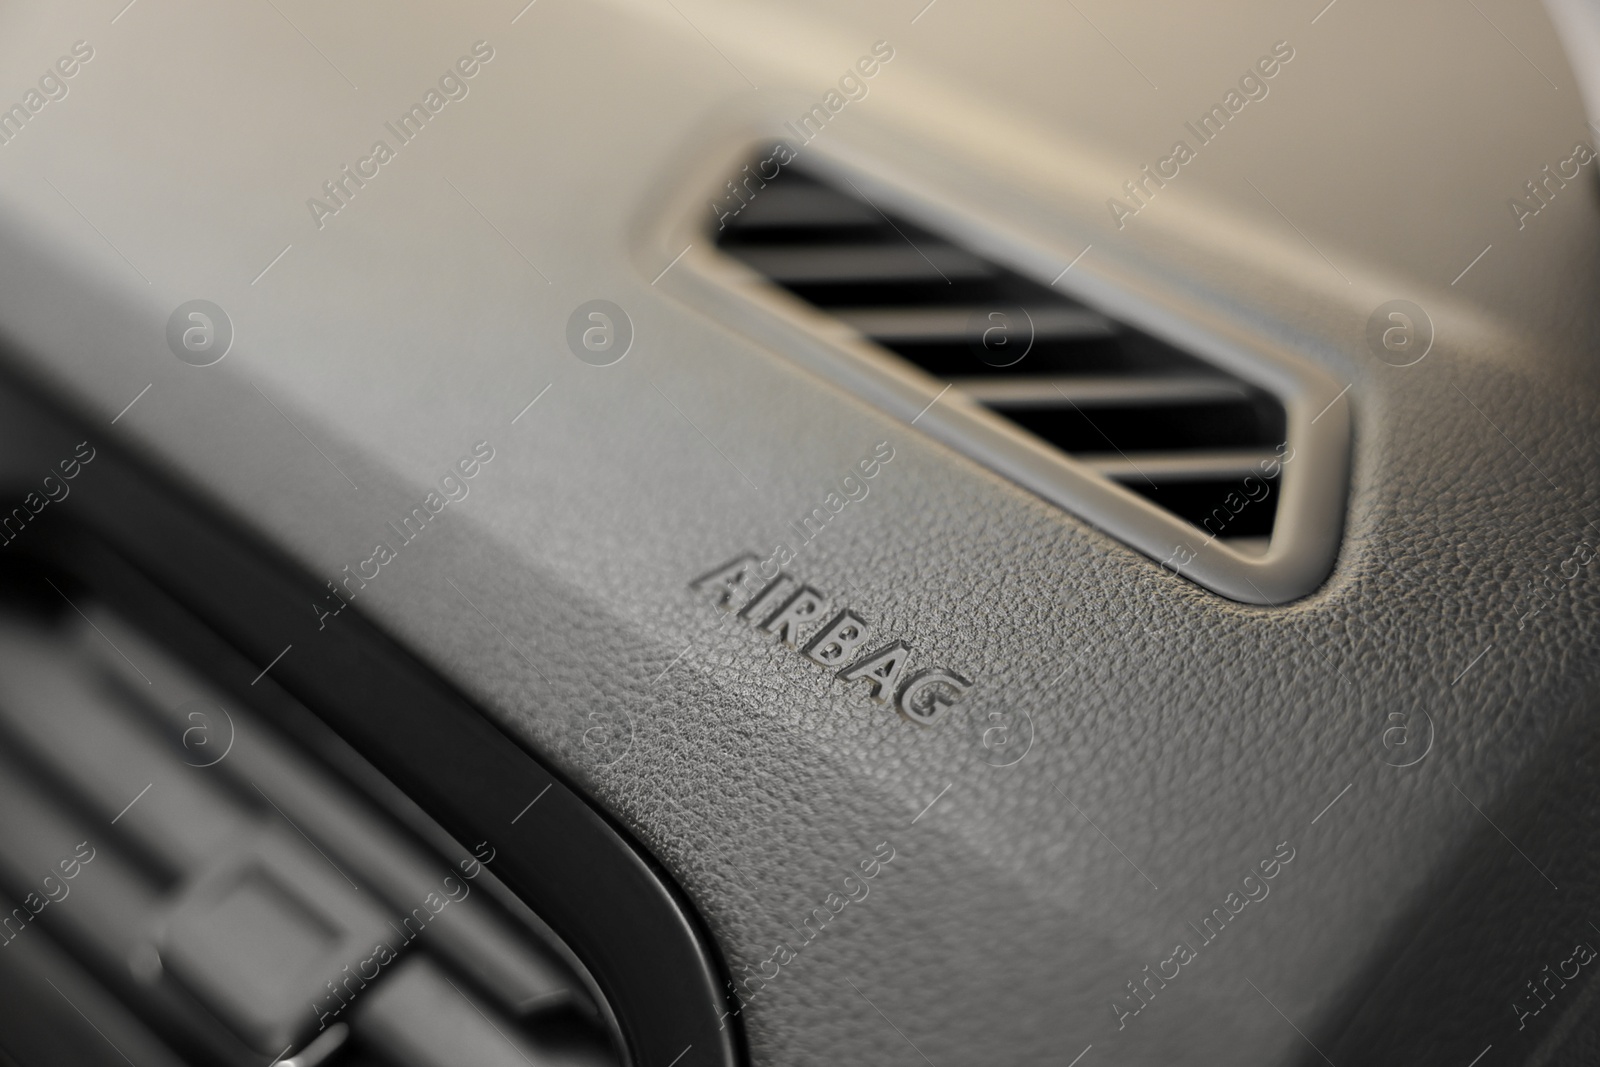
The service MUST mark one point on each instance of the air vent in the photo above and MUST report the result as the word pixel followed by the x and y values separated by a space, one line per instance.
pixel 1218 473
pixel 237 831
pixel 236 897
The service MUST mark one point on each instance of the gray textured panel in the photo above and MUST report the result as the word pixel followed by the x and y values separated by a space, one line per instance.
pixel 1172 730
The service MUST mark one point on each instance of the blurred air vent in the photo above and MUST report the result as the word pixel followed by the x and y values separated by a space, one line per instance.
pixel 1094 409
pixel 202 891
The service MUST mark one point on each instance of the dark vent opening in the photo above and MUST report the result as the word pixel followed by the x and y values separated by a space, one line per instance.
pixel 1164 424
pixel 1151 426
pixel 1227 509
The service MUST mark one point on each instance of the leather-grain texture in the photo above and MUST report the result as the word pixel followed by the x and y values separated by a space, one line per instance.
pixel 1178 738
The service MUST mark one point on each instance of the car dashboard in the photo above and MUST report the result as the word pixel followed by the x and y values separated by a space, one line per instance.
pixel 675 532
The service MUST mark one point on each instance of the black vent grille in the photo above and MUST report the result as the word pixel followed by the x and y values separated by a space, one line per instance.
pixel 1186 435
pixel 253 904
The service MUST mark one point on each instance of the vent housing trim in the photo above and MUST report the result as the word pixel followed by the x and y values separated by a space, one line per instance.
pixel 1131 408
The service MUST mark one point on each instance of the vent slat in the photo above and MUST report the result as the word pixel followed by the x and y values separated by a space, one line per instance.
pixel 864 262
pixel 1166 467
pixel 1098 391
pixel 953 323
pixel 781 206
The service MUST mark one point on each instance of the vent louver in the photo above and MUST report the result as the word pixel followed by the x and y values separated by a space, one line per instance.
pixel 1101 417
pixel 253 903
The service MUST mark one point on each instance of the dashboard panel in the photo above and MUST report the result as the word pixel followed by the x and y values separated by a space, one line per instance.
pixel 1139 819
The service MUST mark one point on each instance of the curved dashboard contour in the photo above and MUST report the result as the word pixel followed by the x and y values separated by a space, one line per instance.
pixel 1160 825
